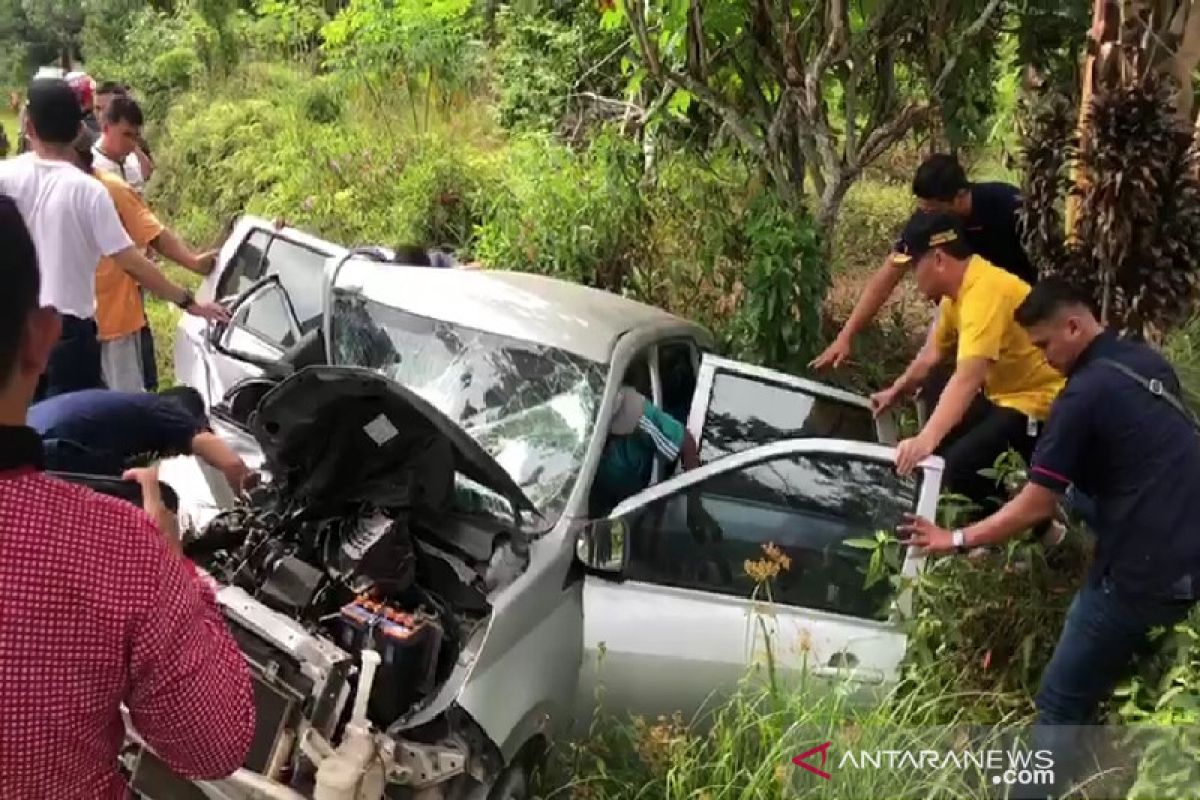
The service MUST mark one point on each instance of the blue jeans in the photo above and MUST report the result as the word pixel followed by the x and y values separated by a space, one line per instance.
pixel 1104 629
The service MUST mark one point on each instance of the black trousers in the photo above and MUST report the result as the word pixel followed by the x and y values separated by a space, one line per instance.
pixel 74 362
pixel 985 432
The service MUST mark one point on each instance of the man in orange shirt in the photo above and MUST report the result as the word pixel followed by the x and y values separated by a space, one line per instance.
pixel 119 314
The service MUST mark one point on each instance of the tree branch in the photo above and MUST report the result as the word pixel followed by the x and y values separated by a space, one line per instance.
pixel 971 32
pixel 728 113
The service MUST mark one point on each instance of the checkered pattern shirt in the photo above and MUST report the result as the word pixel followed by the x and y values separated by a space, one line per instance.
pixel 96 612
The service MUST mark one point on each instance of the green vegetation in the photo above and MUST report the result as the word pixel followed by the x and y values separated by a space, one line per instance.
pixel 743 164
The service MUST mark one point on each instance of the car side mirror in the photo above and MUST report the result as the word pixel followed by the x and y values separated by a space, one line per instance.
pixel 603 545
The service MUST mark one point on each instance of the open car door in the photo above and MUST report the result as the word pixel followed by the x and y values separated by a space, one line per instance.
pixel 267 321
pixel 763 545
pixel 760 543
pixel 737 406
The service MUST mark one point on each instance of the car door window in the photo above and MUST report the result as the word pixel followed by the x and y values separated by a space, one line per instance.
pixel 301 272
pixel 246 267
pixel 744 411
pixel 268 316
pixel 808 506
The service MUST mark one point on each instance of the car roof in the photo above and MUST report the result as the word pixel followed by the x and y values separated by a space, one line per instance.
pixel 568 316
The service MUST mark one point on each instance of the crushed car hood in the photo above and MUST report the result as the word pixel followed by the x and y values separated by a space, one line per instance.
pixel 337 435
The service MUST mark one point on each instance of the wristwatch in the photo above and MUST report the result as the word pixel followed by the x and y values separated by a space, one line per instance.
pixel 959 538
pixel 188 299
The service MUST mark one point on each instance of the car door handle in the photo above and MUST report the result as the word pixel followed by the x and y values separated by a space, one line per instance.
pixel 855 674
pixel 845 666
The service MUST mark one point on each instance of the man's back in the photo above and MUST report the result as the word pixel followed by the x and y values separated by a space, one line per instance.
pixel 992 228
pixel 1137 456
pixel 123 425
pixel 73 224
pixel 97 612
pixel 982 319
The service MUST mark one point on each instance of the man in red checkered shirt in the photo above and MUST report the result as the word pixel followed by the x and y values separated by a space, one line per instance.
pixel 98 608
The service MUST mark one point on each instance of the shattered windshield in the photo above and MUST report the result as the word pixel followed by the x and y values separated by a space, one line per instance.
pixel 529 406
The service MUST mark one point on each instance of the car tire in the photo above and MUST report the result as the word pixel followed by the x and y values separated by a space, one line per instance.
pixel 513 784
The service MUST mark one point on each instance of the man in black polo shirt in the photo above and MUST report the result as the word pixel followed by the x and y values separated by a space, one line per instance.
pixel 103 432
pixel 989 215
pixel 1118 433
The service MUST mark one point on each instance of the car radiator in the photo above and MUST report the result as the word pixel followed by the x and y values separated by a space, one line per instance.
pixel 301 682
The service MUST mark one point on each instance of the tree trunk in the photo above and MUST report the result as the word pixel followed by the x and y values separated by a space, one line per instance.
pixel 490 8
pixel 829 205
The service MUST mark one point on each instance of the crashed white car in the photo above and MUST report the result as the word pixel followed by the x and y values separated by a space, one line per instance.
pixel 432 437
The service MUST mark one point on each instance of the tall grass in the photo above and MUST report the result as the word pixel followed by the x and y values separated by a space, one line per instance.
pixel 743 748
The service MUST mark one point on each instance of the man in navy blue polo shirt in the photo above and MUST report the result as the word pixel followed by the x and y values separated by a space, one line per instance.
pixel 1118 433
pixel 102 432
pixel 990 225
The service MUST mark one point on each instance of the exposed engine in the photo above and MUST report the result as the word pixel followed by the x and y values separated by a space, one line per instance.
pixel 351 579
pixel 353 569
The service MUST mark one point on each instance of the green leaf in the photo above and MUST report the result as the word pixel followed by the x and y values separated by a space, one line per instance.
pixel 861 544
pixel 680 102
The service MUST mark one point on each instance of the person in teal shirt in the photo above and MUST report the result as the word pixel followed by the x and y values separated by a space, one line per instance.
pixel 639 434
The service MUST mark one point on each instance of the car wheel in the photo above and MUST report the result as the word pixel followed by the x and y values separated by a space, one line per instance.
pixel 513 784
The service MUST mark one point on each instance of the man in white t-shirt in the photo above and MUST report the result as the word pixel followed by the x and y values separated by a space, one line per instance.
pixel 74 223
pixel 116 150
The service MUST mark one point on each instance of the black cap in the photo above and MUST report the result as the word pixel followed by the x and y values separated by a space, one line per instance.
pixel 923 232
pixel 54 108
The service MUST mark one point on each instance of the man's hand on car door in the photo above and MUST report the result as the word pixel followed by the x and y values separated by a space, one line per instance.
pixel 213 312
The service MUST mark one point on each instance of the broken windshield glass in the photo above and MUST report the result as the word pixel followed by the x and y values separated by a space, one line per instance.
pixel 531 407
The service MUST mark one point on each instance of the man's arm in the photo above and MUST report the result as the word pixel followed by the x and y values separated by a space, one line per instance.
pixel 189 692
pixel 968 378
pixel 210 449
pixel 170 245
pixel 1060 449
pixel 912 377
pixel 148 275
pixel 689 455
pixel 1033 504
pixel 665 433
pixel 878 289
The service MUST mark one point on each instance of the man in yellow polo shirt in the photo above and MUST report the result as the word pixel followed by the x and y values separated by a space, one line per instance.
pixel 119 314
pixel 1002 386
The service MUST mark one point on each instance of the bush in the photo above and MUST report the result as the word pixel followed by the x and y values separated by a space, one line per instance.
pixel 873 215
pixel 361 181
pixel 545 56
pixel 159 55
pixel 221 157
pixel 172 72
pixel 573 216
pixel 321 104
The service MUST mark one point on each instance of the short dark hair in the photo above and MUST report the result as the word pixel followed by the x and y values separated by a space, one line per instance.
pixel 412 255
pixel 189 400
pixel 83 149
pixel 22 283
pixel 940 177
pixel 124 108
pixel 54 110
pixel 112 87
pixel 1048 297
